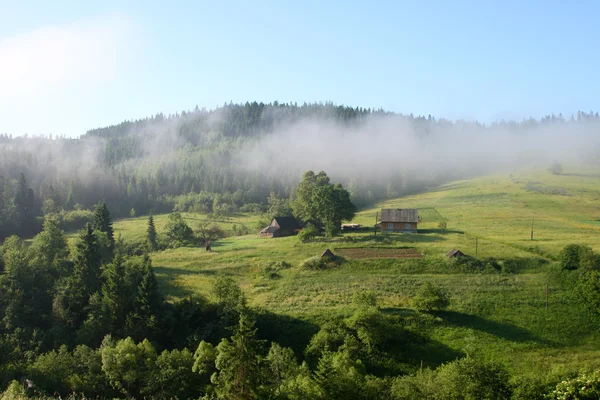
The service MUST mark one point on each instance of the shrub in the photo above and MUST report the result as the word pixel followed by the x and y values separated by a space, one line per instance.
pixel 365 298
pixel 585 386
pixel 313 263
pixel 178 232
pixel 429 298
pixel 271 271
pixel 573 256
pixel 308 233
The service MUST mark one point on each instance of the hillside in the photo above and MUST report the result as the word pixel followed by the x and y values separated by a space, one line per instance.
pixel 499 315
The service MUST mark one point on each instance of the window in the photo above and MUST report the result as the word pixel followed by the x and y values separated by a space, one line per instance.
pixel 390 225
pixel 407 227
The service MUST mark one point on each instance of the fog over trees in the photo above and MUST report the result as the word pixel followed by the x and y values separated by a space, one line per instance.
pixel 234 156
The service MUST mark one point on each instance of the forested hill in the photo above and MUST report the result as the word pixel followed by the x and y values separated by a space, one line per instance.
pixel 232 157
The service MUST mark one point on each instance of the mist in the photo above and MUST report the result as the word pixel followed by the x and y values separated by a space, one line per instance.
pixel 253 149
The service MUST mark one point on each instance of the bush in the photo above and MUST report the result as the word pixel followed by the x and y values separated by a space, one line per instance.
pixel 178 232
pixel 429 298
pixel 574 256
pixel 317 262
pixel 585 386
pixel 308 233
pixel 272 270
pixel 75 219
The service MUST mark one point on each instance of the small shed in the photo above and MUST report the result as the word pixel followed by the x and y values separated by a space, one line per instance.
pixel 328 254
pixel 281 226
pixel 455 253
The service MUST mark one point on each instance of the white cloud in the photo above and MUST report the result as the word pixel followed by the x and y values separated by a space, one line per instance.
pixel 39 66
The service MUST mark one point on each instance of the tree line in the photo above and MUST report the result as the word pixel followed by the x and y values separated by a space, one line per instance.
pixel 187 162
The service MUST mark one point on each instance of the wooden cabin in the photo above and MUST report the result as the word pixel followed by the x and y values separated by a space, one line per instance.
pixel 281 226
pixel 399 220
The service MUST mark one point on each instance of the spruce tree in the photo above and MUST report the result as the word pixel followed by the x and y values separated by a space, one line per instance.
pixel 143 321
pixel 103 222
pixel 115 294
pixel 151 235
pixel 88 260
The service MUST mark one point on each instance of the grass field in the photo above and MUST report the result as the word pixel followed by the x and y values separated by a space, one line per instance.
pixel 498 316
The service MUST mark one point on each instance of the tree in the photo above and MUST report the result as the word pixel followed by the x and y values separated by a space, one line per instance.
pixel 151 236
pixel 238 363
pixel 443 225
pixel 103 222
pixel 556 168
pixel 430 297
pixel 178 232
pixel 321 202
pixel 115 295
pixel 209 232
pixel 130 368
pixel 282 365
pixel 144 320
pixel 278 207
pixel 50 247
pixel 88 260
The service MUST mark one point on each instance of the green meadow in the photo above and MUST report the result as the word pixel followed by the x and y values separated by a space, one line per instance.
pixel 497 315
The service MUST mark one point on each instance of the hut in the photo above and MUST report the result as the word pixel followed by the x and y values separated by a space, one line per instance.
pixel 454 253
pixel 328 254
pixel 399 220
pixel 281 226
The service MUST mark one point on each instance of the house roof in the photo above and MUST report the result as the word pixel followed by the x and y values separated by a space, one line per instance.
pixel 269 229
pixel 399 215
pixel 287 222
pixel 454 253
pixel 327 253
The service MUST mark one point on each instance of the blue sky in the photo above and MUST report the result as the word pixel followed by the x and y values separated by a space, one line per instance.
pixel 66 67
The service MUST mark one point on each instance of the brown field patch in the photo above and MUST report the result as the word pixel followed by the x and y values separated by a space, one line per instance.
pixel 377 252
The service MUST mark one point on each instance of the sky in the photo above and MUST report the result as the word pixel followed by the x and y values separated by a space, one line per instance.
pixel 70 66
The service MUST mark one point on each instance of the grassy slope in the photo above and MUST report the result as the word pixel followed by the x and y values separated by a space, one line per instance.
pixel 502 317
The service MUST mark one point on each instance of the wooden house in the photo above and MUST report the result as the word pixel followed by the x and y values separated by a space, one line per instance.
pixel 281 226
pixel 399 220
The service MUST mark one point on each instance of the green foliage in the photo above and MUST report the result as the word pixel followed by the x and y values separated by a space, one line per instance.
pixel 151 235
pixel 49 247
pixel 129 368
pixel 583 387
pixel 574 255
pixel 103 223
pixel 272 271
pixel 366 298
pixel 209 232
pixel 308 233
pixel 178 232
pixel 464 379
pixel 238 363
pixel 277 206
pixel 443 225
pixel 321 202
pixel 430 298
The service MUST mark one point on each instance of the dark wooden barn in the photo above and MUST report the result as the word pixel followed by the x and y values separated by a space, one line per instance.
pixel 281 226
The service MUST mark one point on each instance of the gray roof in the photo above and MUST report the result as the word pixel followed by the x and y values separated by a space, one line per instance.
pixel 399 215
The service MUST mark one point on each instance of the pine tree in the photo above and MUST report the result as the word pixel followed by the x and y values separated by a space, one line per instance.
pixel 143 321
pixel 239 363
pixel 115 294
pixel 151 234
pixel 103 222
pixel 88 260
